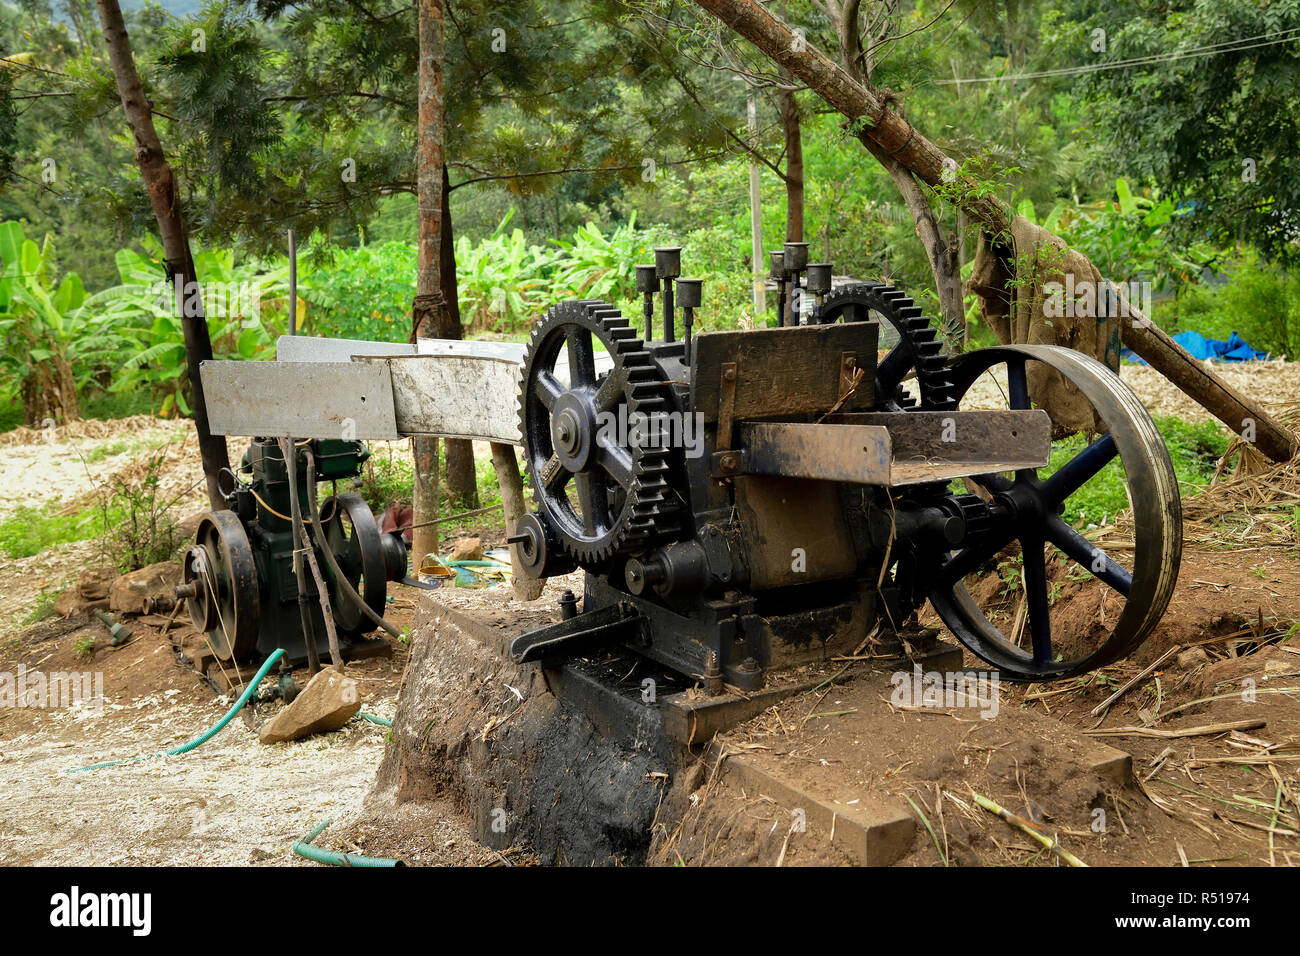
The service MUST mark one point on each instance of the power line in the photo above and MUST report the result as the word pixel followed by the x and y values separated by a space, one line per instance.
pixel 1230 46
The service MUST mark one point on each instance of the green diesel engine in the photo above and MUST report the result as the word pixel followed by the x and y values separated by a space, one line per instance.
pixel 241 582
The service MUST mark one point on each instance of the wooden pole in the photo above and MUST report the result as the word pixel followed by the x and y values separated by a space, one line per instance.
pixel 891 134
pixel 429 302
pixel 512 496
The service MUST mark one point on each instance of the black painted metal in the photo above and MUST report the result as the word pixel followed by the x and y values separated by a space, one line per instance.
pixel 690 577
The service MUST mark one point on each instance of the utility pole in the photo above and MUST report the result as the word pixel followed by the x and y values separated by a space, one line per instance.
pixel 756 214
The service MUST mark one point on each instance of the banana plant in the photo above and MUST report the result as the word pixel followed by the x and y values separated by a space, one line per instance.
pixel 593 266
pixel 501 280
pixel 45 330
pixel 148 313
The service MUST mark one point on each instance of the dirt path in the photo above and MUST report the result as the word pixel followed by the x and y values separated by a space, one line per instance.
pixel 232 801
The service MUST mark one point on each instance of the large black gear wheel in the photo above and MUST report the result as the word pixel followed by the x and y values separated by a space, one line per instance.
pixel 620 500
pixel 918 349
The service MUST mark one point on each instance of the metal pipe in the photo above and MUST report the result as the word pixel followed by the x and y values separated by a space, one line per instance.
pixel 212 731
pixel 304 848
pixel 646 283
pixel 668 266
pixel 300 572
pixel 293 284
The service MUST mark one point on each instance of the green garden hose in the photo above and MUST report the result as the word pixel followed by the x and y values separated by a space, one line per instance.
pixel 210 732
pixel 304 848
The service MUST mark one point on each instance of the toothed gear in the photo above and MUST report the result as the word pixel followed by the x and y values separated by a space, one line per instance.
pixel 918 347
pixel 623 498
pixel 974 511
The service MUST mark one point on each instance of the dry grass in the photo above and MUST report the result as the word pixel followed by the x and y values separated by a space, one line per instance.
pixel 1251 499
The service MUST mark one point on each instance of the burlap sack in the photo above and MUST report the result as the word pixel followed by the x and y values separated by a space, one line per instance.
pixel 1021 306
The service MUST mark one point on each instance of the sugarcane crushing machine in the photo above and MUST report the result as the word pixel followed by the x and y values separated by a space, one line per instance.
pixel 745 501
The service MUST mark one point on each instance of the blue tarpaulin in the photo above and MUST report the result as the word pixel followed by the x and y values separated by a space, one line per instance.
pixel 1235 349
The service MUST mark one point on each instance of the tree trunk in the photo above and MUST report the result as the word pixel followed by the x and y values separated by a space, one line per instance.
pixel 794 188
pixel 461 481
pixel 428 306
pixel 898 139
pixel 161 185
pixel 49 394
pixel 939 252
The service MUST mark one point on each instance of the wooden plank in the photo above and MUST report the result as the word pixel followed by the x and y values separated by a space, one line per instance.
pixel 898 448
pixel 455 396
pixel 874 830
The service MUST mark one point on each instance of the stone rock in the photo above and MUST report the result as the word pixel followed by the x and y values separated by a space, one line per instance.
pixel 189 527
pixel 327 703
pixel 93 583
pixel 71 604
pixel 1192 657
pixel 130 593
pixel 467 549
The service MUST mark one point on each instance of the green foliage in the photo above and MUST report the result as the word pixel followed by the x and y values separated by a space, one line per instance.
pixel 1211 126
pixel 138 527
pixel 44 606
pixel 1259 301
pixel 1194 447
pixel 594 266
pixel 361 293
pixel 237 300
pixel 43 326
pixel 500 281
pixel 30 531
pixel 388 476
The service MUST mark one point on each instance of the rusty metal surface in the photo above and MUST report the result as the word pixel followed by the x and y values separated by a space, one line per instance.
pixel 783 371
pixel 778 515
pixel 929 446
pixel 854 453
pixel 897 448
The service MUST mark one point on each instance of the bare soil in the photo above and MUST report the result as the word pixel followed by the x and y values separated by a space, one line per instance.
pixel 1227 798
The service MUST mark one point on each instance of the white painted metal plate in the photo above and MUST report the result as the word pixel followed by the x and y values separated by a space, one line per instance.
pixel 300 399
pixel 309 348
pixel 460 396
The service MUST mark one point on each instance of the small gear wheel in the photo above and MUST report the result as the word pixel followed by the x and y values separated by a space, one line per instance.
pixel 918 348
pixel 598 482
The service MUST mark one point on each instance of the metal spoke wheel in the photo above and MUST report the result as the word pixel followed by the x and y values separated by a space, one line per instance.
pixel 225 603
pixel 354 538
pixel 1029 509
